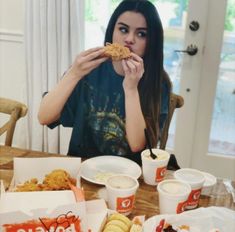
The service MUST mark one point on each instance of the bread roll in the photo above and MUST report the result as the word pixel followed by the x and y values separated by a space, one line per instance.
pixel 113 228
pixel 118 216
pixel 117 223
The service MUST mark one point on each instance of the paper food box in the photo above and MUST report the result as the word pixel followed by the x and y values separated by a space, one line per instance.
pixel 47 211
pixel 28 168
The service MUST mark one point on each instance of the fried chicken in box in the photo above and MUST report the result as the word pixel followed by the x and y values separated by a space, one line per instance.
pixel 29 186
pixel 58 179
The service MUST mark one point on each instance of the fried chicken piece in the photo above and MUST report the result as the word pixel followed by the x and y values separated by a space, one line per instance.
pixel 58 179
pixel 29 186
pixel 116 51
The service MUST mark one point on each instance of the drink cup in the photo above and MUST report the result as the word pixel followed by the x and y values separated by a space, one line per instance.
pixel 210 181
pixel 121 190
pixel 196 180
pixel 173 195
pixel 154 169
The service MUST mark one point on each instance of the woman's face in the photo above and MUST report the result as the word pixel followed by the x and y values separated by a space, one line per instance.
pixel 131 31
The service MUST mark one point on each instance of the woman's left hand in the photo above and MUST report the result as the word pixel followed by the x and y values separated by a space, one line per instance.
pixel 133 71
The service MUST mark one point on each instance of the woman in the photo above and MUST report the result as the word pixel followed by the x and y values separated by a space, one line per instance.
pixel 110 103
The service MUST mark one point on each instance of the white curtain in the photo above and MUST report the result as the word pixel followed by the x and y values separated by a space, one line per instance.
pixel 52 29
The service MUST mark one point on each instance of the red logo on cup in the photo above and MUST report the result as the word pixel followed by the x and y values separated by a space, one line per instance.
pixel 160 173
pixel 125 204
pixel 194 196
pixel 181 207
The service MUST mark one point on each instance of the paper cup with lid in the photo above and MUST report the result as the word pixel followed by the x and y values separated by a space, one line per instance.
pixel 121 190
pixel 154 169
pixel 173 195
pixel 195 179
pixel 210 181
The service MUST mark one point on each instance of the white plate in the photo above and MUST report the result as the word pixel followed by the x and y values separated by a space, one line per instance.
pixel 107 166
pixel 199 220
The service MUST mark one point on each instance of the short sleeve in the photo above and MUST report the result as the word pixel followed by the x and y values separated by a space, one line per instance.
pixel 69 111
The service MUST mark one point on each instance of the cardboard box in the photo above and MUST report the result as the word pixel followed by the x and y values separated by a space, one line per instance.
pixel 51 211
pixel 28 168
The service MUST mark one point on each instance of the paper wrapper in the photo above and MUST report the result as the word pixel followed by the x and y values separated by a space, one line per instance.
pixel 57 209
pixel 47 210
pixel 201 219
pixel 42 210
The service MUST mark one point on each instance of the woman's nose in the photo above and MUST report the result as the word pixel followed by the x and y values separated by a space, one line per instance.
pixel 130 38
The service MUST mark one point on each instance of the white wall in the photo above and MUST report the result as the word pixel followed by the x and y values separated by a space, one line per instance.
pixel 12 58
pixel 13 82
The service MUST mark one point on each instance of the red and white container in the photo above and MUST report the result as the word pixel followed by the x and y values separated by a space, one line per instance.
pixel 173 196
pixel 195 179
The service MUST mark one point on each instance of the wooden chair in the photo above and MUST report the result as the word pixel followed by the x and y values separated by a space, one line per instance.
pixel 15 110
pixel 176 101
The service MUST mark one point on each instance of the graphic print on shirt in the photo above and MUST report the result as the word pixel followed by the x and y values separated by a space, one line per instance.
pixel 106 122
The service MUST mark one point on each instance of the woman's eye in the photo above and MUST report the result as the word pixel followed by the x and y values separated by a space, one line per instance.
pixel 123 29
pixel 142 34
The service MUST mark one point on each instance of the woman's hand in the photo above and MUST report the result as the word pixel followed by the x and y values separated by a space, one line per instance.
pixel 135 123
pixel 86 61
pixel 133 71
pixel 52 104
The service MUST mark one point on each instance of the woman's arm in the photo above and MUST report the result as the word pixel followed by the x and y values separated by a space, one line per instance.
pixel 53 102
pixel 135 123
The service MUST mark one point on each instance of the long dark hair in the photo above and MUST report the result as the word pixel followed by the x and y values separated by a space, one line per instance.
pixel 150 85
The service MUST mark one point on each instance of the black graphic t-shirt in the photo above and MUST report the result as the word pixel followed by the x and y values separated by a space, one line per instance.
pixel 96 112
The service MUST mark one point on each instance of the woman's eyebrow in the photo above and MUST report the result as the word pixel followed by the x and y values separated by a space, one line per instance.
pixel 138 28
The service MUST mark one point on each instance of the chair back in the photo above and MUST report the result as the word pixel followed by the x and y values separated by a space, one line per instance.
pixel 176 101
pixel 15 110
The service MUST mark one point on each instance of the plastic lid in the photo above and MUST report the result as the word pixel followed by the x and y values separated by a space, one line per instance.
pixel 210 180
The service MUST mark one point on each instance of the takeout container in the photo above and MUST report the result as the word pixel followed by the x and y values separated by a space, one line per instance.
pixel 27 168
pixel 210 181
pixel 121 191
pixel 47 210
pixel 173 196
pixel 195 179
pixel 154 169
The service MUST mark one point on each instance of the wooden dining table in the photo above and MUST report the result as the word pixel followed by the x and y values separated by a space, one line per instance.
pixel 146 198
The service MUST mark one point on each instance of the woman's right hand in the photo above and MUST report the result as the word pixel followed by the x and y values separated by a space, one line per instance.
pixel 52 104
pixel 86 61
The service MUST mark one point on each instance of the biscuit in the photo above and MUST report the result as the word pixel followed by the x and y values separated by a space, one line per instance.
pixel 113 228
pixel 116 51
pixel 118 223
pixel 121 217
